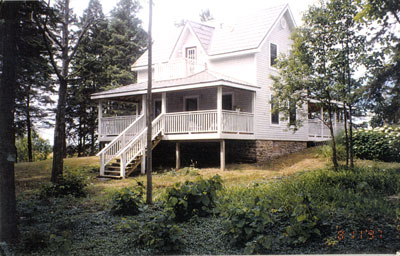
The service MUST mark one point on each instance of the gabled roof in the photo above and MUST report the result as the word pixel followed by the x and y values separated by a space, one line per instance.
pixel 245 33
pixel 203 79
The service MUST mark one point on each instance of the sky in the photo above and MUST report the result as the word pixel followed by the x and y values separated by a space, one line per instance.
pixel 167 12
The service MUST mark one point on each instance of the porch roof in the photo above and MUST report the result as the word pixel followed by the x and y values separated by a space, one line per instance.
pixel 202 79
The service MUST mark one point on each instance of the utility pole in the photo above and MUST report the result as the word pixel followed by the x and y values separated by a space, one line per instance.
pixel 149 98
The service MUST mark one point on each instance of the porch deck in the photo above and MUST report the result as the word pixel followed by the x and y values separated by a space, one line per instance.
pixel 189 125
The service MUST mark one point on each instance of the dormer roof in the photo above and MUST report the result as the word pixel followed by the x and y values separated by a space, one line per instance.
pixel 245 33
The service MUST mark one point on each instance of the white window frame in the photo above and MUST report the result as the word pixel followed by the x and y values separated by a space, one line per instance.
pixel 195 52
pixel 197 97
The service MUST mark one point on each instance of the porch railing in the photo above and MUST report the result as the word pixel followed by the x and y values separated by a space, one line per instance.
pixel 207 122
pixel 177 68
pixel 112 126
pixel 237 122
pixel 317 129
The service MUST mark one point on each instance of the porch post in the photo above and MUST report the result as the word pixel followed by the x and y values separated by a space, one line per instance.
pixel 219 109
pixel 164 103
pixel 254 112
pixel 100 116
pixel 144 104
pixel 222 154
pixel 178 156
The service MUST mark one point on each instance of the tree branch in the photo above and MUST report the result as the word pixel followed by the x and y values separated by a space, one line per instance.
pixel 88 23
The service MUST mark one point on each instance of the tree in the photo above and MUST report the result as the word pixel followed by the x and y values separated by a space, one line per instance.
pixel 8 215
pixel 149 100
pixel 348 53
pixel 41 148
pixel 61 42
pixel 205 15
pixel 34 83
pixel 90 75
pixel 382 94
pixel 308 73
pixel 127 42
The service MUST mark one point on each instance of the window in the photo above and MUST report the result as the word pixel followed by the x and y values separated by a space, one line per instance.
pixel 273 53
pixel 191 53
pixel 292 114
pixel 191 104
pixel 227 102
pixel 274 112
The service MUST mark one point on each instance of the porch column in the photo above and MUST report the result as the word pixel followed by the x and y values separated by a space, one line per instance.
pixel 254 112
pixel 222 154
pixel 177 156
pixel 164 103
pixel 219 109
pixel 144 104
pixel 100 114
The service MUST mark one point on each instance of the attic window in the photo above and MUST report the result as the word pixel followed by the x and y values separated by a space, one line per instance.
pixel 273 53
pixel 191 53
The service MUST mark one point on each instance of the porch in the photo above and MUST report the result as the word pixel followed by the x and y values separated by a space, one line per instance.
pixel 208 114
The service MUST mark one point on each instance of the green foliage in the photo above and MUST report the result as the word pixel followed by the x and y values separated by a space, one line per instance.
pixel 382 143
pixel 128 201
pixel 192 198
pixel 325 151
pixel 159 234
pixel 74 183
pixel 306 207
pixel 41 148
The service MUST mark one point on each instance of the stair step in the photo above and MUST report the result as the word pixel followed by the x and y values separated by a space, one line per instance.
pixel 110 176
pixel 109 171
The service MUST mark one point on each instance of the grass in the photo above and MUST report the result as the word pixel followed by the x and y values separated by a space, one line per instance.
pixel 85 227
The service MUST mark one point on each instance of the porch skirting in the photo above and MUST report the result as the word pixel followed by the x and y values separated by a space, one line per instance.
pixel 207 154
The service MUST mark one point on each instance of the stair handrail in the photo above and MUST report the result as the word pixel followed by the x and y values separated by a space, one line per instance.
pixel 115 146
pixel 138 144
pixel 120 135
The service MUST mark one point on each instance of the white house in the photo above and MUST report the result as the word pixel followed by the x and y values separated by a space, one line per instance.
pixel 210 84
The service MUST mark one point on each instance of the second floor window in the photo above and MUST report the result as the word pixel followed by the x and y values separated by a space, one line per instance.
pixel 274 112
pixel 273 48
pixel 191 53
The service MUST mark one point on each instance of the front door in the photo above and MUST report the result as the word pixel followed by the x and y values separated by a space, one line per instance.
pixel 191 104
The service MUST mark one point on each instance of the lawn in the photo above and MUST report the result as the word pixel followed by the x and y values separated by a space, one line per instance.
pixel 84 226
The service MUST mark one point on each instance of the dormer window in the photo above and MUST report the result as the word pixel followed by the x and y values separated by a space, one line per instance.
pixel 191 53
pixel 273 49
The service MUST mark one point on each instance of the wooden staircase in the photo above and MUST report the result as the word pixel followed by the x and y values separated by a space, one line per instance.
pixel 113 169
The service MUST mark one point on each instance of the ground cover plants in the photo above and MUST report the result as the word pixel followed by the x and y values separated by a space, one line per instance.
pixel 275 208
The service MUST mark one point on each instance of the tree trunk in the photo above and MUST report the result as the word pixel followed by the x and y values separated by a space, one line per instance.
pixel 149 160
pixel 8 214
pixel 29 128
pixel 333 143
pixel 346 134
pixel 59 149
pixel 351 138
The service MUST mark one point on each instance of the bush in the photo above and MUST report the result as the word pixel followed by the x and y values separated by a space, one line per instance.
pixel 325 151
pixel 381 143
pixel 128 201
pixel 73 183
pixel 192 198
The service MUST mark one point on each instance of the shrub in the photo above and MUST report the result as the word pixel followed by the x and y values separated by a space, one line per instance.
pixel 325 151
pixel 128 201
pixel 73 183
pixel 192 198
pixel 381 143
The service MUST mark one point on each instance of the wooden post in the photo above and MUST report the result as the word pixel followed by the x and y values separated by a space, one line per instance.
pixel 143 163
pixel 222 154
pixel 143 104
pixel 122 165
pixel 219 109
pixel 100 116
pixel 149 160
pixel 164 103
pixel 178 156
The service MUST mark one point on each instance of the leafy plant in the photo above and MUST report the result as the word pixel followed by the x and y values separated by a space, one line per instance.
pixel 381 143
pixel 128 201
pixel 192 198
pixel 73 183
pixel 325 151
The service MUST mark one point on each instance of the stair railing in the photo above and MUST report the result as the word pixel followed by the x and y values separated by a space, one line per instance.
pixel 138 145
pixel 109 152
